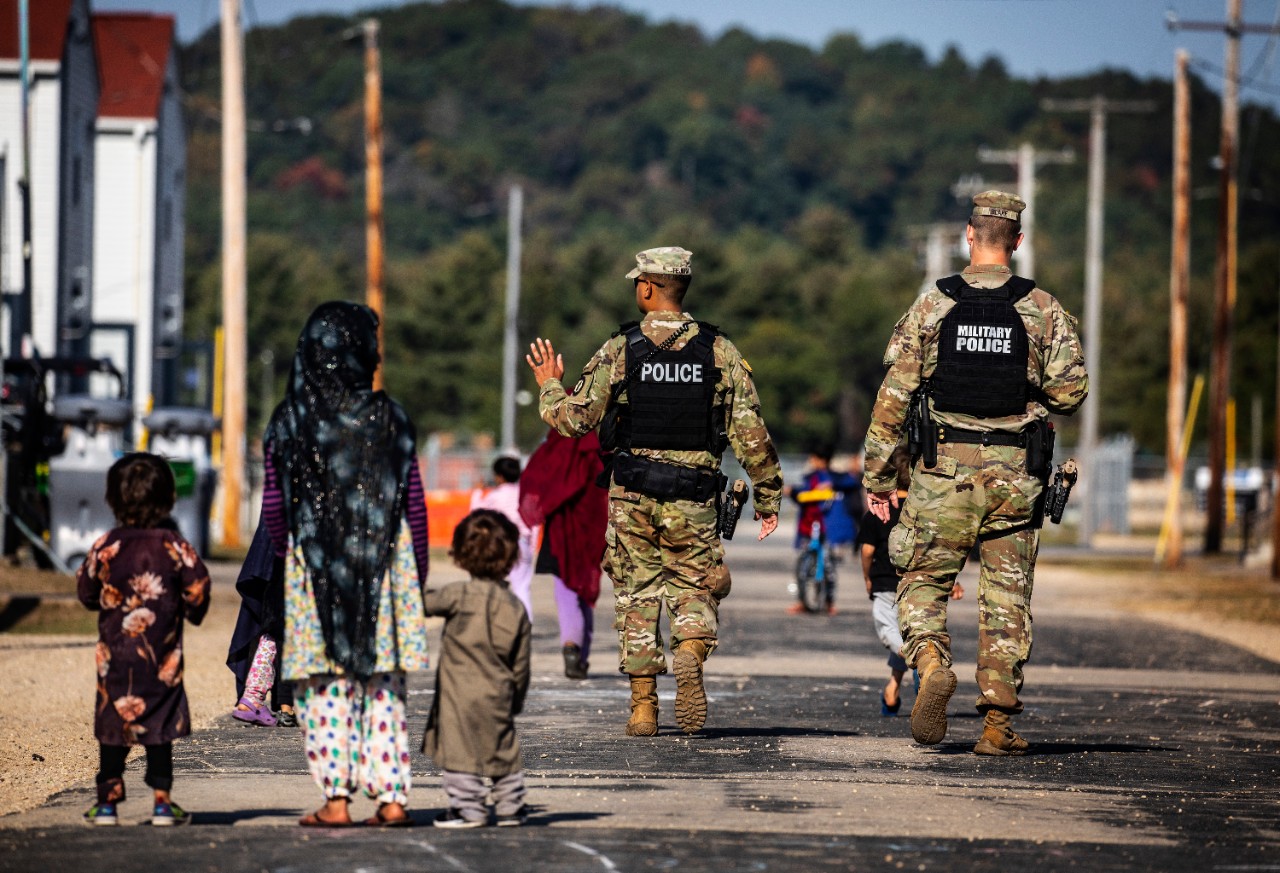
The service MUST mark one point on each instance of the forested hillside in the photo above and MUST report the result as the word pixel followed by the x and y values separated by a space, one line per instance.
pixel 800 179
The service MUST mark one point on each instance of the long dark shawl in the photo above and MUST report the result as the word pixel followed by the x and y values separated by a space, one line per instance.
pixel 343 452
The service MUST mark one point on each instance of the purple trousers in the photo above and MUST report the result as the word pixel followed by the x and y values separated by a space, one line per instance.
pixel 576 618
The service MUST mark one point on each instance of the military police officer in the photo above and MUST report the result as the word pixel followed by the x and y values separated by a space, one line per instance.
pixel 990 355
pixel 670 394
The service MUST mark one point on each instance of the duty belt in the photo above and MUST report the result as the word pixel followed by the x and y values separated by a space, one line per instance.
pixel 981 437
pixel 664 481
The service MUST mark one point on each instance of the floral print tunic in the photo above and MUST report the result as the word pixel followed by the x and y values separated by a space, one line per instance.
pixel 144 582
pixel 401 641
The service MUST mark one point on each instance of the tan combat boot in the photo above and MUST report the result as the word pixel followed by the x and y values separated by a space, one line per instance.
pixel 937 684
pixel 644 707
pixel 998 737
pixel 691 697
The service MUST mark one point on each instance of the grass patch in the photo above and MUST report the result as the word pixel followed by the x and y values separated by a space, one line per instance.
pixel 1212 588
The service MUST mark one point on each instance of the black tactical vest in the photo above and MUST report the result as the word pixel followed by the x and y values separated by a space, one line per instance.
pixel 671 394
pixel 982 350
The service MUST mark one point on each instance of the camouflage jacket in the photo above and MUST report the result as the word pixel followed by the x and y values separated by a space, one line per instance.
pixel 576 412
pixel 1055 364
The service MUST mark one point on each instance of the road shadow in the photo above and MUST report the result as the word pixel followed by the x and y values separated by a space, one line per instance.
pixel 1048 749
pixel 540 819
pixel 217 817
pixel 745 732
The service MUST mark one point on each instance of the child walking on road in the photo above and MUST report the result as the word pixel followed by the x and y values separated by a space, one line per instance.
pixel 482 678
pixel 881 578
pixel 144 579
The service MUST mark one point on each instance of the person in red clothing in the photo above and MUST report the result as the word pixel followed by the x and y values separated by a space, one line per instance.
pixel 558 488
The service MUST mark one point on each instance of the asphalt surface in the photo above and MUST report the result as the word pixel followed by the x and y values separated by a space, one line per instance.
pixel 1151 750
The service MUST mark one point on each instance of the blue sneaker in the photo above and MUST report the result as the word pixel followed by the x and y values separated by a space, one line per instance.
pixel 102 815
pixel 168 815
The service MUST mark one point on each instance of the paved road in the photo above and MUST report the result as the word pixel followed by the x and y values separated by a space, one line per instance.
pixel 1152 750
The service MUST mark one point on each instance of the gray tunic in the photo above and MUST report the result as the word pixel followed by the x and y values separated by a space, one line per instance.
pixel 481 680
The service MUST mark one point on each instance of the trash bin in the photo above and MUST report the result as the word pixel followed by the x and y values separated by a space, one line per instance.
pixel 78 511
pixel 182 435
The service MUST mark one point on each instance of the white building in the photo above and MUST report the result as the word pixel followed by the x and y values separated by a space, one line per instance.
pixel 63 110
pixel 139 204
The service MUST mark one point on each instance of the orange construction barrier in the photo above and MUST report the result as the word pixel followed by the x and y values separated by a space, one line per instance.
pixel 444 510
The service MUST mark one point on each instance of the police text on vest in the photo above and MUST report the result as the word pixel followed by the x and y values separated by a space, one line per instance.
pixel 984 338
pixel 671 373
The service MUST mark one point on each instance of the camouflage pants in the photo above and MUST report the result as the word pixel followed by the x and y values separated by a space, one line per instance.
pixel 974 495
pixel 663 553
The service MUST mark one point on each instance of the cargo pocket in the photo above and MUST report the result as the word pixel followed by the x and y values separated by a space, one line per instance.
pixel 609 564
pixel 902 543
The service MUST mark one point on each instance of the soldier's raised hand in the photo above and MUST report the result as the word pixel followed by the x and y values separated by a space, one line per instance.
pixel 544 361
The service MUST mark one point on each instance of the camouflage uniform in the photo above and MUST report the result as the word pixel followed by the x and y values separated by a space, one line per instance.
pixel 975 493
pixel 660 551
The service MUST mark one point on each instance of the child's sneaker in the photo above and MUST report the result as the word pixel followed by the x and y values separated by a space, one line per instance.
pixel 515 819
pixel 451 818
pixel 169 814
pixel 102 815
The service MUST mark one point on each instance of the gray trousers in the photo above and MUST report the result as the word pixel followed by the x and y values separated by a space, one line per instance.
pixel 467 793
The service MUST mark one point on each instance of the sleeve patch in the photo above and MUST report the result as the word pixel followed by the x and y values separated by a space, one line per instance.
pixel 577 386
pixel 747 366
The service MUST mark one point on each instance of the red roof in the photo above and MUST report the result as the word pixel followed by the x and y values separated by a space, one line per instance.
pixel 47 29
pixel 133 52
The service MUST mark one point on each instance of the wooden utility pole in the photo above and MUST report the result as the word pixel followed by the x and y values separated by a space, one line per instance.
pixel 373 180
pixel 233 273
pixel 1275 510
pixel 1027 158
pixel 1224 285
pixel 510 353
pixel 1097 107
pixel 1179 287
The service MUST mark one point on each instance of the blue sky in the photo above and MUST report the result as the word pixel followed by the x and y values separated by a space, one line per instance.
pixel 1032 37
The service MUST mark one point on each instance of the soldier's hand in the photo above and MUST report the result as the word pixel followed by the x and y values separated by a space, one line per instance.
pixel 768 523
pixel 544 361
pixel 957 591
pixel 880 503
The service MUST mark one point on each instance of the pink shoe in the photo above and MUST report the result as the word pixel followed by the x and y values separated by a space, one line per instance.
pixel 255 714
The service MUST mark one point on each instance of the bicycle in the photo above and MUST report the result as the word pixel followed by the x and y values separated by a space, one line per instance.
pixel 816 572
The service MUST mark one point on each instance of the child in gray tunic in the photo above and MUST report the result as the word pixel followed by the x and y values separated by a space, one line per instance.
pixel 482 677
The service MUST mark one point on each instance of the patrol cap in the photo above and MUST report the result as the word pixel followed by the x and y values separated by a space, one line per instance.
pixel 1000 204
pixel 667 260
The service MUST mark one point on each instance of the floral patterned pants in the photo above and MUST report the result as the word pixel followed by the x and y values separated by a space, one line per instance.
pixel 262 673
pixel 357 739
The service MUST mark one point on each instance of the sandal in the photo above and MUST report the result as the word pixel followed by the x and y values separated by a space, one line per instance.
pixel 378 821
pixel 255 714
pixel 313 820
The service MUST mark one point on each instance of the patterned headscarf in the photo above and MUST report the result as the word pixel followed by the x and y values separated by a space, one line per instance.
pixel 343 452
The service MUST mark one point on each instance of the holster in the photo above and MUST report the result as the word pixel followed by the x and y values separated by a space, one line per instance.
pixel 663 481
pixel 1040 443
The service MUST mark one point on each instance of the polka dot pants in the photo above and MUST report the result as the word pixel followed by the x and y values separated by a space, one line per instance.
pixel 357 738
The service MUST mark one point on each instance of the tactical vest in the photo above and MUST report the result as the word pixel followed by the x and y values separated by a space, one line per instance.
pixel 671 394
pixel 982 350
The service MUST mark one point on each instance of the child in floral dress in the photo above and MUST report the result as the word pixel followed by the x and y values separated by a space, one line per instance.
pixel 144 579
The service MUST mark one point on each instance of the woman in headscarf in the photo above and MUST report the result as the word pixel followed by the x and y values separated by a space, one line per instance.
pixel 344 503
